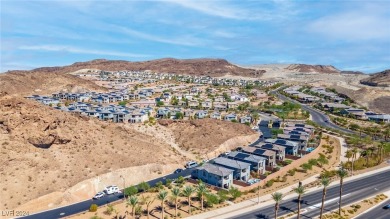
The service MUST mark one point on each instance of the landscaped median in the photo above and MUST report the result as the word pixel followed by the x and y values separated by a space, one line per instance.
pixel 356 209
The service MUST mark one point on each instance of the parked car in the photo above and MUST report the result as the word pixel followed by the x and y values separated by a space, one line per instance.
pixel 99 195
pixel 386 206
pixel 178 171
pixel 111 190
pixel 191 164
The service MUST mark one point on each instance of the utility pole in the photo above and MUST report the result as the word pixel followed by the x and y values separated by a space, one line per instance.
pixel 124 187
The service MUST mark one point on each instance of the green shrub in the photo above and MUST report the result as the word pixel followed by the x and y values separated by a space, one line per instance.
pixel 132 190
pixel 269 183
pixel 306 167
pixel 292 172
pixel 234 193
pixel 168 182
pixel 93 208
pixel 138 210
pixel 313 162
pixel 211 199
pixel 223 195
pixel 110 209
pixel 143 186
pixel 180 180
pixel 160 185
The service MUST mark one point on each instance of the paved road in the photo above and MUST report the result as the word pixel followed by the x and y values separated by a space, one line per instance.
pixel 83 206
pixel 317 116
pixel 376 213
pixel 352 191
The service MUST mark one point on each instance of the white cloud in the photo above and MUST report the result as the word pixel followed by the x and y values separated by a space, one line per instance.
pixel 353 26
pixel 186 40
pixel 70 49
pixel 283 9
pixel 210 8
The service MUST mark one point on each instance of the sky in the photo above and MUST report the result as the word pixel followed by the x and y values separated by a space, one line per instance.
pixel 349 34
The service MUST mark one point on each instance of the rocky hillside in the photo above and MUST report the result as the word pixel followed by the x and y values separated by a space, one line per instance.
pixel 211 67
pixel 46 150
pixel 352 72
pixel 43 82
pixel 205 135
pixel 327 69
pixel 381 79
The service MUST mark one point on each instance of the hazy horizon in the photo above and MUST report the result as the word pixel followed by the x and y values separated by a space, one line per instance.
pixel 350 35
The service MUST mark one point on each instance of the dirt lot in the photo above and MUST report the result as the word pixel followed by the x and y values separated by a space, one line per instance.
pixel 205 136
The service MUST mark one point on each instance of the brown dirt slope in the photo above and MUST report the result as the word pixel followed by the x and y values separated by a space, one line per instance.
pixel 328 69
pixel 205 135
pixel 375 99
pixel 42 82
pixel 381 104
pixel 211 67
pixel 45 150
pixel 381 79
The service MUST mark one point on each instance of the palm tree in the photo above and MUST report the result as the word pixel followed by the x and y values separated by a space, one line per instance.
pixel 368 154
pixel 187 192
pixel 380 151
pixel 386 133
pixel 300 190
pixel 175 196
pixel 277 197
pixel 133 201
pixel 202 191
pixel 325 183
pixel 148 201
pixel 348 154
pixel 162 196
pixel 342 173
pixel 354 153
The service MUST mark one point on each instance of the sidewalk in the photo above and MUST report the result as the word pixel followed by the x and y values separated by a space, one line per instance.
pixel 251 204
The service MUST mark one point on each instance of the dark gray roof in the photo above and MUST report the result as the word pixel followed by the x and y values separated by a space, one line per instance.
pixel 246 157
pixel 216 170
pixel 230 163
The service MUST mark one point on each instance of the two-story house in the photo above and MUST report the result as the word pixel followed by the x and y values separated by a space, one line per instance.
pixel 241 169
pixel 257 163
pixel 268 154
pixel 214 175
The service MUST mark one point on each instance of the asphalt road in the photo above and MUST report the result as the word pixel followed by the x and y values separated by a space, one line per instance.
pixel 376 213
pixel 83 206
pixel 318 117
pixel 353 191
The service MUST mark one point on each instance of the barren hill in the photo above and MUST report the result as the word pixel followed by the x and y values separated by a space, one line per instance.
pixel 60 155
pixel 381 79
pixel 328 69
pixel 43 82
pixel 46 150
pixel 210 67
pixel 206 135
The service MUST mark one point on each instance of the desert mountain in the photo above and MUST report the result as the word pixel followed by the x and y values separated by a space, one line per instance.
pixel 381 79
pixel 210 67
pixel 352 72
pixel 43 82
pixel 328 69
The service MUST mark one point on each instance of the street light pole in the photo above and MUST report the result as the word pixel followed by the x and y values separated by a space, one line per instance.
pixel 124 187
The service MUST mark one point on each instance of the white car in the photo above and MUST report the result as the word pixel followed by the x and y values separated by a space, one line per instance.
pixel 111 190
pixel 99 195
pixel 191 164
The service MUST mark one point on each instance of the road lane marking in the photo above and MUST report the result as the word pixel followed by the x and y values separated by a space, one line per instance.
pixel 326 202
